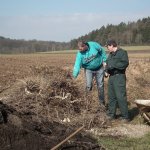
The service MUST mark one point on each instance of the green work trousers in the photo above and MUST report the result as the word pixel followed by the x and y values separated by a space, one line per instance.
pixel 117 95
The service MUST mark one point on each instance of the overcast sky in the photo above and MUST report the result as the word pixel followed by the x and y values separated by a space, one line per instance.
pixel 64 20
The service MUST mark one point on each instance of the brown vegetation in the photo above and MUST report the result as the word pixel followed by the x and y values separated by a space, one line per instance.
pixel 44 105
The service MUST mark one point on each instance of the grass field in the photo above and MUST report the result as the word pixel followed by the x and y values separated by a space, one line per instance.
pixel 133 51
pixel 128 48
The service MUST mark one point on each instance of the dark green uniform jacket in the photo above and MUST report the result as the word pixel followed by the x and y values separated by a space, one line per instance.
pixel 117 62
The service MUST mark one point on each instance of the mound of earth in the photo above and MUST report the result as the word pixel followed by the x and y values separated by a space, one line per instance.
pixel 42 110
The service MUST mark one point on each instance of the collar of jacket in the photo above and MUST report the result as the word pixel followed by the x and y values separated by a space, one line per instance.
pixel 114 53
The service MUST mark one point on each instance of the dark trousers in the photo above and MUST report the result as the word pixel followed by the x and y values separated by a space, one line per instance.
pixel 117 95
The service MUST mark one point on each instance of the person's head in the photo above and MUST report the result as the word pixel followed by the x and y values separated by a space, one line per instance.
pixel 111 45
pixel 82 46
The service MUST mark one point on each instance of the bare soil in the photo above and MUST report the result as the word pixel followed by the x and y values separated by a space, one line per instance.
pixel 42 104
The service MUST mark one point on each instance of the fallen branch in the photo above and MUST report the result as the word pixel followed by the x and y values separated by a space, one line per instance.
pixel 74 101
pixel 58 145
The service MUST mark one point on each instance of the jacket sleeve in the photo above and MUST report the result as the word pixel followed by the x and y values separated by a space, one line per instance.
pixel 104 56
pixel 77 65
pixel 101 50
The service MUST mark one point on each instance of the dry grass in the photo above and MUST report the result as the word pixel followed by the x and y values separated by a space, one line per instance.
pixel 40 87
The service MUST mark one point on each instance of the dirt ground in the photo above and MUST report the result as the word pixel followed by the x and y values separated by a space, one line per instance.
pixel 42 104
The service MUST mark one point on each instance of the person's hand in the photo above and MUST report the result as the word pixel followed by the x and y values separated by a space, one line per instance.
pixel 73 77
pixel 105 74
pixel 104 64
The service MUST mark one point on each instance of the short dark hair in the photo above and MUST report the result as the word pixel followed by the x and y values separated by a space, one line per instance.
pixel 82 43
pixel 111 42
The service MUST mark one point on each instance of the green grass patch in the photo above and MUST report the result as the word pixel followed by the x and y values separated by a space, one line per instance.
pixel 113 143
pixel 135 47
pixel 75 51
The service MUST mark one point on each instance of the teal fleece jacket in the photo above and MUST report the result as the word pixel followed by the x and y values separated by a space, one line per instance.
pixel 90 59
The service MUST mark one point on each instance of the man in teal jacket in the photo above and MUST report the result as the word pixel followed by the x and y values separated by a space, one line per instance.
pixel 117 62
pixel 91 56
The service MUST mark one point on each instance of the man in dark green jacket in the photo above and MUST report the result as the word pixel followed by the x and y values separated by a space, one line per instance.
pixel 117 62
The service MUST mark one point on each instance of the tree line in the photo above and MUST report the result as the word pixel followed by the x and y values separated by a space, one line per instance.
pixel 11 46
pixel 131 33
